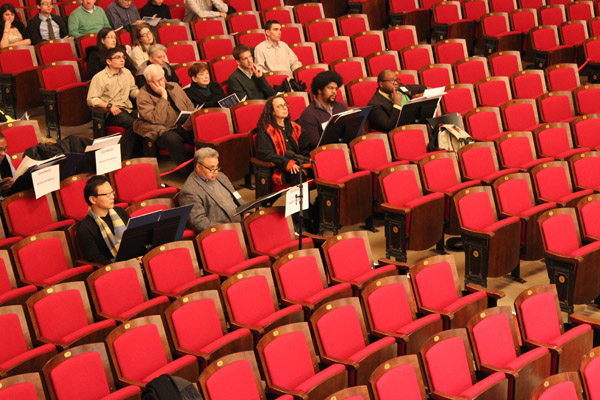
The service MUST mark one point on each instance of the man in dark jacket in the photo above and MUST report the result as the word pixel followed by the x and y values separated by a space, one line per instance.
pixel 386 104
pixel 39 26
pixel 248 80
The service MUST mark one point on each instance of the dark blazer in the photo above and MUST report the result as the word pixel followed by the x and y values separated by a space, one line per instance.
pixel 254 88
pixel 197 96
pixel 33 27
pixel 384 115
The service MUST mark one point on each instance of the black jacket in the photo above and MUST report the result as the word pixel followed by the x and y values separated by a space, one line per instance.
pixel 198 96
pixel 384 115
pixel 254 88
pixel 33 27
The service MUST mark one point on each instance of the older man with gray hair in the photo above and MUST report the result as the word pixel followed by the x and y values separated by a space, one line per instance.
pixel 210 192
pixel 159 104
pixel 157 54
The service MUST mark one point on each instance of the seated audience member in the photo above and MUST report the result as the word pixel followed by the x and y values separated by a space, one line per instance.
pixel 248 80
pixel 45 26
pixel 159 104
pixel 96 55
pixel 195 9
pixel 14 32
pixel 388 100
pixel 155 7
pixel 122 13
pixel 281 141
pixel 87 19
pixel 324 87
pixel 157 54
pixel 273 54
pixel 100 232
pixel 202 90
pixel 7 171
pixel 111 89
pixel 143 38
pixel 210 192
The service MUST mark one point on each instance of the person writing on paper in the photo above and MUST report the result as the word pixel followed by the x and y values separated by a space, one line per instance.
pixel 248 80
pixel 324 87
pixel 210 192
pixel 99 233
pixel 202 90
pixel 281 141
pixel 7 171
pixel 159 104
pixel 388 100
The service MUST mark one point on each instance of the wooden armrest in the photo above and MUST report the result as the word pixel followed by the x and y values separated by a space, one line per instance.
pixel 494 294
pixel 579 319
pixel 403 266
pixel 266 164
pixel 321 182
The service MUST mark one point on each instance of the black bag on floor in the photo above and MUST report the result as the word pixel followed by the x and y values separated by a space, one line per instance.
pixel 167 387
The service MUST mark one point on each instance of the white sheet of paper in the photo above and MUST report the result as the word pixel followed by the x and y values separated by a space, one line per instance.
pixel 237 195
pixel 46 180
pixel 438 91
pixel 103 142
pixel 292 203
pixel 108 159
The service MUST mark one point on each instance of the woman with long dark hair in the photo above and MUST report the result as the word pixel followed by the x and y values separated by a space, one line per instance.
pixel 143 38
pixel 14 32
pixel 96 55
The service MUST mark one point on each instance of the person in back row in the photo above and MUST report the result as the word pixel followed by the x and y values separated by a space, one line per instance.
pixel 273 54
pixel 44 25
pixel 87 19
pixel 248 80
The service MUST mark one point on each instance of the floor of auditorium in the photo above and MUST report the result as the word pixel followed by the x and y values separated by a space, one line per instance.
pixel 533 272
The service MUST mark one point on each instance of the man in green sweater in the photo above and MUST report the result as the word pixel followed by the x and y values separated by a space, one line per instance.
pixel 87 19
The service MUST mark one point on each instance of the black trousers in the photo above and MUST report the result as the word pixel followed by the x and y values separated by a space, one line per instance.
pixel 174 142
pixel 131 144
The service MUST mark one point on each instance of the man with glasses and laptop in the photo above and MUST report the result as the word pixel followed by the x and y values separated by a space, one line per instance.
pixel 210 192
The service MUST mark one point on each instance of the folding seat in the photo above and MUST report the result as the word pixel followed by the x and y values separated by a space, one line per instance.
pixel 416 57
pixel 450 50
pixel 380 60
pixel 20 135
pixel 297 103
pixel 292 33
pixel 492 245
pixel 552 183
pixel 523 20
pixel 67 7
pixel 496 346
pixel 459 382
pixel 588 212
pixel 400 376
pixel 528 84
pixel 574 33
pixel 471 70
pixel 17 354
pixel 173 32
pixel 334 47
pixel 541 325
pixel 410 12
pixel 221 67
pixel 560 386
pixel 353 23
pixel 85 41
pixel 349 68
pixel 361 90
pixel 556 106
pixel 552 14
pixel 588 371
pixel 505 63
pixel 337 184
pixel 308 11
pixel 283 14
pixel 591 48
pixel 497 35
pixel 274 78
pixel 139 351
pixel 137 180
pixel 45 259
pixel 251 37
pixel 516 150
pixel 177 11
pixel 320 28
pixel 287 356
pixel 585 129
pixel 342 337
pixel 586 99
pixel 241 368
pixel 251 302
pixel 10 293
pixel 118 292
pixel 243 5
pixel 484 123
pixel 458 98
pixel 197 326
pixel 19 81
pixel 478 161
pixel 71 203
pixel 64 95
pixel 520 115
pixel 440 174
pixel 61 315
pixel 407 77
pixel 367 42
pixel 25 386
pixel 493 91
pixel 243 21
pixel 503 5
pixel 391 311
pixel 580 10
pixel 56 50
pixel 245 115
pixel 206 27
pixel 216 46
pixel 306 52
pixel 546 49
pixel 594 26
pixel 555 140
pixel 400 36
pixel 409 142
pixel 562 77
pixel 84 369
pixel 352 393
pixel 182 51
pixel 436 75
pixel 448 22
pixel 584 167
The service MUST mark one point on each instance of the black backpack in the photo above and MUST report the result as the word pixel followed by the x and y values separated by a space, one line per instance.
pixel 167 387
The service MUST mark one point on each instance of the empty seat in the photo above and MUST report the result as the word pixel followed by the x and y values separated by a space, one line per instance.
pixel 505 63
pixel 493 91
pixel 138 179
pixel 478 161
pixel 555 140
pixel 556 106
pixel 588 212
pixel 586 99
pixel 400 376
pixel 484 123
pixel 584 167
pixel 552 183
pixel 565 386
pixel 409 142
pixel 517 150
pixel 585 128
pixel 529 84
pixel 10 293
pixel 25 386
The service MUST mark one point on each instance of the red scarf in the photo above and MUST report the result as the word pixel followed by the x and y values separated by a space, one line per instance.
pixel 280 148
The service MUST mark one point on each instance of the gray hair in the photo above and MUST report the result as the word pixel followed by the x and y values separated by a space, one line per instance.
pixel 204 153
pixel 156 47
pixel 153 70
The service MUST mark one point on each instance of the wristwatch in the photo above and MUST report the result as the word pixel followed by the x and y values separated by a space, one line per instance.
pixel 109 106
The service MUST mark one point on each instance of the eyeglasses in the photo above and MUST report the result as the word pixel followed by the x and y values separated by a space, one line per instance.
pixel 3 150
pixel 45 4
pixel 282 105
pixel 146 34
pixel 391 80
pixel 117 58
pixel 109 194
pixel 212 170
